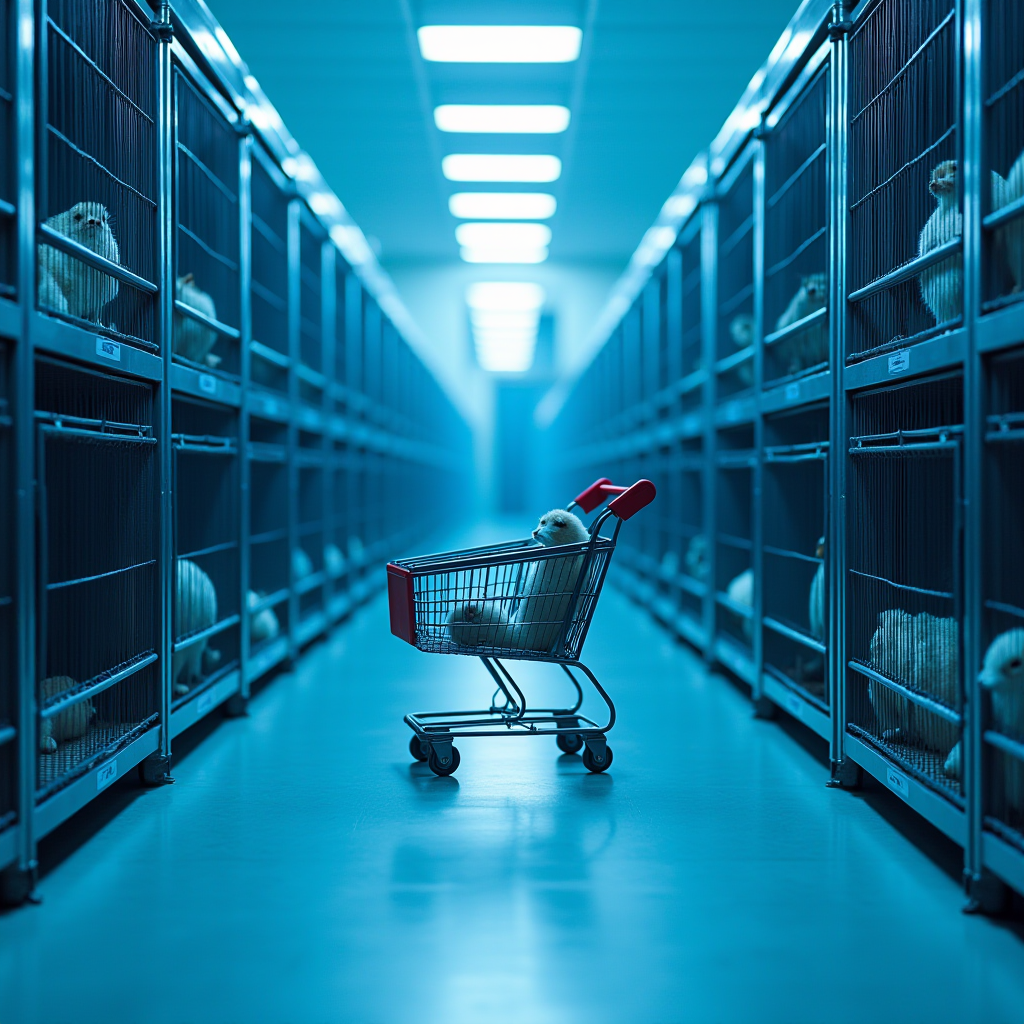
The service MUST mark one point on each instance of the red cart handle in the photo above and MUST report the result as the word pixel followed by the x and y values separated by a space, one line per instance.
pixel 629 501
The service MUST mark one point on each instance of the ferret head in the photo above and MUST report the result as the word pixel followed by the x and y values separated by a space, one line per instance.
pixel 1004 661
pixel 742 330
pixel 943 181
pixel 560 527
pixel 87 220
pixel 814 285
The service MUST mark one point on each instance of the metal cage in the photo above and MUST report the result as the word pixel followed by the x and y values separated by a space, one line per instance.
pixel 690 336
pixel 8 151
pixel 794 587
pixel 904 590
pixel 1002 671
pixel 207 606
pixel 904 255
pixel 96 189
pixel 270 551
pixel 9 696
pixel 206 332
pixel 98 625
pixel 736 461
pixel 796 236
pixel 1003 201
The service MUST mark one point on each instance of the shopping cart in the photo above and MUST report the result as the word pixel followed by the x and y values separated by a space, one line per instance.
pixel 516 601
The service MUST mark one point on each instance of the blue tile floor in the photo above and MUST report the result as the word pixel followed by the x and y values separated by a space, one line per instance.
pixel 302 870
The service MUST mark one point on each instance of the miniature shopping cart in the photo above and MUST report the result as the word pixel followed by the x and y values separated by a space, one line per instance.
pixel 517 601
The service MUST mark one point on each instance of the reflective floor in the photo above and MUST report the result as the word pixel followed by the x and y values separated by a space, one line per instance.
pixel 302 870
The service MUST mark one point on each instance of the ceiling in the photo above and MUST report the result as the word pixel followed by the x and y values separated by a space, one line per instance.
pixel 655 81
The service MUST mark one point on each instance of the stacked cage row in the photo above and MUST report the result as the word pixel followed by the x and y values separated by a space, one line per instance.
pixel 207 423
pixel 823 377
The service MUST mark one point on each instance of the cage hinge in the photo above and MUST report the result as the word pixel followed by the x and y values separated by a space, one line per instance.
pixel 838 29
pixel 243 127
pixel 163 31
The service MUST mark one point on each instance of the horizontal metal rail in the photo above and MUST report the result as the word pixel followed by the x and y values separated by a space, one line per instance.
pixel 1004 743
pixel 920 699
pixel 908 588
pixel 183 643
pixel 794 634
pixel 207 321
pixel 1011 211
pixel 796 328
pixel 62 703
pixel 908 271
pixel 94 260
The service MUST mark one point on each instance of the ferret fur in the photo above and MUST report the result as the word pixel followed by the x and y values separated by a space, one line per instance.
pixel 809 347
pixel 816 602
pixel 302 564
pixel 334 560
pixel 741 330
pixel 84 291
pixel 942 284
pixel 195 609
pixel 549 583
pixel 66 725
pixel 262 625
pixel 1011 235
pixel 479 623
pixel 194 340
pixel 741 591
pixel 697 557
pixel 922 653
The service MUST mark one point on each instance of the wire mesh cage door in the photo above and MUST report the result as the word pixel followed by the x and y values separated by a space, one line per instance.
pixel 270 554
pixel 794 527
pixel 268 287
pixel 9 691
pixel 737 331
pixel 734 549
pixel 311 341
pixel 690 319
pixel 903 590
pixel 207 548
pixel 693 539
pixel 97 175
pixel 1001 681
pixel 309 557
pixel 904 253
pixel 98 678
pixel 796 239
pixel 1002 203
pixel 8 153
pixel 206 331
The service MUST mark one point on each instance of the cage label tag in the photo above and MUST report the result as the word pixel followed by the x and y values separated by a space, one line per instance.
pixel 204 703
pixel 792 392
pixel 899 362
pixel 794 705
pixel 898 782
pixel 208 383
pixel 108 349
pixel 106 775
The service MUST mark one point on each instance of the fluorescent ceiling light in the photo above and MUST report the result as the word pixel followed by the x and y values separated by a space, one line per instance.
pixel 505 358
pixel 480 235
pixel 501 295
pixel 504 319
pixel 503 254
pixel 536 119
pixel 500 167
pixel 500 44
pixel 502 205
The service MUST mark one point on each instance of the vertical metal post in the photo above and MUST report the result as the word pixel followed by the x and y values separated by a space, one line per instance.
pixel 294 350
pixel 708 330
pixel 843 773
pixel 328 313
pixel 763 706
pixel 16 883
pixel 245 325
pixel 984 891
pixel 156 768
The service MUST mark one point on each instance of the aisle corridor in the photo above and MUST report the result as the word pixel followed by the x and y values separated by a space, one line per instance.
pixel 302 870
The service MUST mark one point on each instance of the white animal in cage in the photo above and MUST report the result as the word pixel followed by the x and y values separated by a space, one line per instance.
pixel 741 330
pixel 193 340
pixel 69 724
pixel 549 583
pixel 669 566
pixel 195 609
pixel 481 622
pixel 334 560
pixel 263 625
pixel 1011 235
pixel 741 591
pixel 922 653
pixel 942 284
pixel 302 564
pixel 808 347
pixel 84 291
pixel 697 557
pixel 816 603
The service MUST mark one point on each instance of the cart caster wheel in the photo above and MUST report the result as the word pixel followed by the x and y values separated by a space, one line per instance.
pixel 591 765
pixel 443 769
pixel 416 748
pixel 569 742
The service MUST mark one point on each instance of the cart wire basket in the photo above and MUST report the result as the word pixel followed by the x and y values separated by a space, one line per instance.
pixel 517 601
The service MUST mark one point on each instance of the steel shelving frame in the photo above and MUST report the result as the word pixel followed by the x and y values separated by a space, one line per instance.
pixel 631 428
pixel 407 427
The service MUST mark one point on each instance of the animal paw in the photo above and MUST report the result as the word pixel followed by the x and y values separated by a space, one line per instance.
pixel 47 745
pixel 213 361
pixel 180 689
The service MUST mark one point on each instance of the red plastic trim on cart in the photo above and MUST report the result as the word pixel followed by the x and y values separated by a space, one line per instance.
pixel 628 502
pixel 401 604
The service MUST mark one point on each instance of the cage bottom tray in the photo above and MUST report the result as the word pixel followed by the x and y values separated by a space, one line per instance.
pixel 925 765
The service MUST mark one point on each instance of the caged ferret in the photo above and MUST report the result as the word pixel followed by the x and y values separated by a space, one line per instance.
pixel 193 340
pixel 195 609
pixel 67 285
pixel 70 724
pixel 263 625
pixel 808 347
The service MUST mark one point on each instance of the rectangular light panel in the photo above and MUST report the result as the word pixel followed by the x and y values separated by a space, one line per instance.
pixel 502 205
pixel 500 167
pixel 536 119
pixel 500 44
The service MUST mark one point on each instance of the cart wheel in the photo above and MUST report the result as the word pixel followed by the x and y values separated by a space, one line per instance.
pixel 591 765
pixel 416 749
pixel 443 769
pixel 569 742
